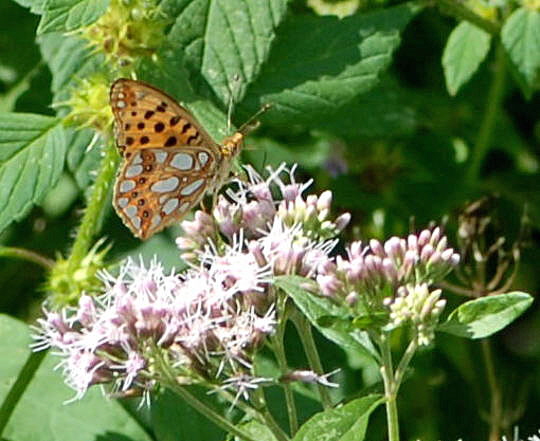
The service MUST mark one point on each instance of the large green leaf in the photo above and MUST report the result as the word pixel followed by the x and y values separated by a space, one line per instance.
pixel 318 64
pixel 84 155
pixel 465 49
pixel 42 414
pixel 70 60
pixel 226 41
pixel 36 6
pixel 67 15
pixel 32 154
pixel 484 316
pixel 257 431
pixel 346 423
pixel 327 317
pixel 521 38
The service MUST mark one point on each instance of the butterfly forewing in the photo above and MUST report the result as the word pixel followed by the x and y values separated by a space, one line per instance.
pixel 147 117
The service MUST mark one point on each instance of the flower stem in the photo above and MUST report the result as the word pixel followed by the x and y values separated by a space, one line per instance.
pixel 208 412
pixel 489 120
pixel 31 256
pixel 279 351
pixel 289 398
pixel 462 12
pixel 95 209
pixel 496 410
pixel 19 387
pixel 404 363
pixel 306 336
pixel 389 389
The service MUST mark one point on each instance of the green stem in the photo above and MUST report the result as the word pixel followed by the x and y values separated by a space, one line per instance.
pixel 389 389
pixel 269 420
pixel 31 256
pixel 208 412
pixel 404 363
pixel 496 409
pixel 462 12
pixel 95 209
pixel 289 398
pixel 306 336
pixel 489 120
pixel 16 391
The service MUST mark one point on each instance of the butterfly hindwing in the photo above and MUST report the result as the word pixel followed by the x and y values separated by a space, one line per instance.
pixel 157 186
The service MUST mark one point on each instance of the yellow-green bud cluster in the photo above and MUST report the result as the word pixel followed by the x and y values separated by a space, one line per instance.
pixel 89 103
pixel 129 29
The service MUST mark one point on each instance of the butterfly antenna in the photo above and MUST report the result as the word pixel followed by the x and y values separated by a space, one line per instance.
pixel 252 123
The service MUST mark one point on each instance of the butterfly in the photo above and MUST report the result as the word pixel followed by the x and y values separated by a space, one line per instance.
pixel 169 160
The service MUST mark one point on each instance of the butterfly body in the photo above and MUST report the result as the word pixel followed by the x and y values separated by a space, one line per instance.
pixel 170 161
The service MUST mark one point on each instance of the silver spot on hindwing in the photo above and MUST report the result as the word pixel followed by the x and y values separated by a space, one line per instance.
pixel 182 161
pixel 126 186
pixel 122 202
pixel 203 158
pixel 170 205
pixel 192 188
pixel 160 157
pixel 156 220
pixel 165 185
pixel 133 170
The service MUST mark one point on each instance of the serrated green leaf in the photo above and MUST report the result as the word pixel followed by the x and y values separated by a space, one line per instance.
pixel 67 15
pixel 32 154
pixel 521 37
pixel 226 42
pixel 83 156
pixel 69 60
pixel 88 419
pixel 466 48
pixel 36 6
pixel 318 64
pixel 483 317
pixel 346 423
pixel 316 308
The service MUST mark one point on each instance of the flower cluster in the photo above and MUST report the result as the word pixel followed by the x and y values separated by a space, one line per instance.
pixel 148 326
pixel 291 233
pixel 392 278
pixel 202 326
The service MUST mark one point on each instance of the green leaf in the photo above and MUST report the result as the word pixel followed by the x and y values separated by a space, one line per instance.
pixel 521 38
pixel 94 417
pixel 226 41
pixel 318 64
pixel 69 60
pixel 346 423
pixel 32 154
pixel 317 309
pixel 83 156
pixel 483 317
pixel 36 6
pixel 465 49
pixel 257 431
pixel 67 15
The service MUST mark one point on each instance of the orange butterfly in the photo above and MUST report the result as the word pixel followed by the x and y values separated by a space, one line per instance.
pixel 170 161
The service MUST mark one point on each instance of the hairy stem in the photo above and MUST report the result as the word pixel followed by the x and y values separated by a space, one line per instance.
pixel 489 121
pixel 306 336
pixel 93 215
pixel 31 256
